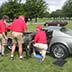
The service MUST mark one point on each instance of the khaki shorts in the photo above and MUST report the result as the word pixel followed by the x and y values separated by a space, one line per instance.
pixel 17 37
pixel 2 40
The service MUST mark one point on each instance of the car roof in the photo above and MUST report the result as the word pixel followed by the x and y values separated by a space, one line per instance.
pixel 52 28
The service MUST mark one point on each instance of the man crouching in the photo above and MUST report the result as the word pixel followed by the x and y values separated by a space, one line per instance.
pixel 40 41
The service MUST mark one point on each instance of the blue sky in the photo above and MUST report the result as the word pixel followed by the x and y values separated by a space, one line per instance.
pixel 52 4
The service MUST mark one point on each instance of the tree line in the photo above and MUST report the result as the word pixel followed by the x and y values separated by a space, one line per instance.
pixel 34 9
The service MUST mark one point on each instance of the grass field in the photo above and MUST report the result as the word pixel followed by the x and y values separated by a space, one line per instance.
pixel 32 64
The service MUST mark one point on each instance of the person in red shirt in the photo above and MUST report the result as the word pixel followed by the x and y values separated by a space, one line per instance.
pixel 3 37
pixel 18 27
pixel 40 41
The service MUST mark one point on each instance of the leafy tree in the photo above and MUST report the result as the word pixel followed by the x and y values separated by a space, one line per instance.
pixel 35 8
pixel 32 8
pixel 46 14
pixel 57 13
pixel 12 8
pixel 67 8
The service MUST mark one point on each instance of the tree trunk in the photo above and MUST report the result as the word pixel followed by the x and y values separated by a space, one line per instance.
pixel 35 19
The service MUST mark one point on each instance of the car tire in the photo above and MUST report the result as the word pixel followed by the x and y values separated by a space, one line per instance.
pixel 59 51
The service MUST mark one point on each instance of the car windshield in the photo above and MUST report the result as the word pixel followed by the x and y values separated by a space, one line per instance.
pixel 64 29
pixel 67 31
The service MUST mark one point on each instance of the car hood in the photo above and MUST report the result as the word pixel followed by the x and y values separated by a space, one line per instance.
pixel 58 33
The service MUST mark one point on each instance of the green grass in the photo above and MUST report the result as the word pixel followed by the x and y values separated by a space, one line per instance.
pixel 32 64
pixel 69 25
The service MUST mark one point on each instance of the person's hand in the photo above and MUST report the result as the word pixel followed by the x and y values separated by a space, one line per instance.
pixel 5 37
pixel 33 42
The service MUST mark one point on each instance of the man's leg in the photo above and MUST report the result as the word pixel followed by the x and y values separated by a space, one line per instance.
pixel 43 48
pixel 43 53
pixel 20 41
pixel 14 41
pixel 2 50
pixel 20 50
pixel 13 50
pixel 3 43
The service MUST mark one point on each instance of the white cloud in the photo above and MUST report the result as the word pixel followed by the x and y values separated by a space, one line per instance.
pixel 55 4
pixel 2 1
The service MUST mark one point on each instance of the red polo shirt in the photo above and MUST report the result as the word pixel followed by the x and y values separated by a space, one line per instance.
pixel 40 37
pixel 18 25
pixel 2 26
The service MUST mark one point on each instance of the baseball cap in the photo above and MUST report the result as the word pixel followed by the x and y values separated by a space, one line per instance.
pixel 39 26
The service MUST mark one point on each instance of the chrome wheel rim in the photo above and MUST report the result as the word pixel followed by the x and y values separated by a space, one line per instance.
pixel 58 51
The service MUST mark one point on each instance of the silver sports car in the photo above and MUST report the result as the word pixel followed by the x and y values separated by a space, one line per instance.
pixel 60 44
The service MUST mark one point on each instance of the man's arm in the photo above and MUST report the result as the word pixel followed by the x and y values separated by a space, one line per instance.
pixel 4 35
pixel 3 30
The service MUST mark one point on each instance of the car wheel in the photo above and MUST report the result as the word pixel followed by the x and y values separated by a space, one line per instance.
pixel 59 51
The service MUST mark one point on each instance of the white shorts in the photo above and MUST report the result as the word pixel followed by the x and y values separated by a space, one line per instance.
pixel 41 46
